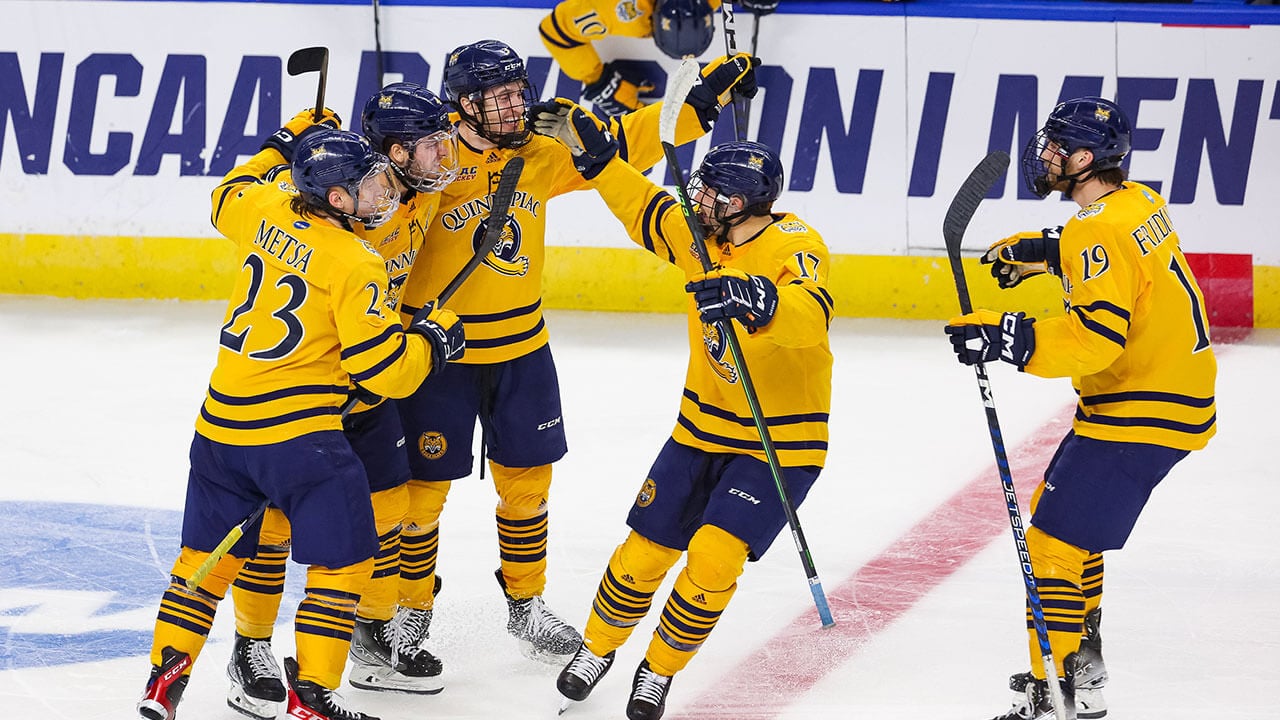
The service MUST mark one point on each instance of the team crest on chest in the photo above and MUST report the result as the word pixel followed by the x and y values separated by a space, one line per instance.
pixel 716 346
pixel 505 258
pixel 432 445
pixel 648 491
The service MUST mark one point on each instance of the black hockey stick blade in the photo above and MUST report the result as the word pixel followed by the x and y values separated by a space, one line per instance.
pixel 961 211
pixel 312 59
pixel 499 210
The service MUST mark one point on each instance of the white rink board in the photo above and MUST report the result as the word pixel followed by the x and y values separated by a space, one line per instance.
pixel 117 127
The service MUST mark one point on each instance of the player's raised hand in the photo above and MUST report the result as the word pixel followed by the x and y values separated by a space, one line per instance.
pixel 730 293
pixel 304 123
pixel 986 335
pixel 1024 255
pixel 617 91
pixel 442 328
pixel 591 143
pixel 735 73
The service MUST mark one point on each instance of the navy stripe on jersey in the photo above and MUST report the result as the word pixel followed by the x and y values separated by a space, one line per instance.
pixel 822 301
pixel 620 134
pixel 267 422
pixel 507 339
pixel 277 394
pixel 755 445
pixel 1148 395
pixel 1162 423
pixel 772 420
pixel 504 315
pixel 562 40
pixel 350 352
pixel 399 350
pixel 651 225
pixel 1098 327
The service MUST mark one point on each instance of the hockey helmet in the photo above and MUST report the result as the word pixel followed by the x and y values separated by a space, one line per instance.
pixel 472 68
pixel 341 158
pixel 683 28
pixel 1089 123
pixel 412 116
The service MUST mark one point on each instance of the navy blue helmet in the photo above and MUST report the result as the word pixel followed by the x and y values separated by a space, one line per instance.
pixel 683 27
pixel 329 158
pixel 744 168
pixel 1090 123
pixel 473 69
pixel 410 115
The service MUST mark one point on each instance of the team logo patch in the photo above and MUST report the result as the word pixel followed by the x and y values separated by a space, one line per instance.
pixel 792 226
pixel 432 445
pixel 648 491
pixel 505 258
pixel 627 10
pixel 716 347
pixel 1101 114
pixel 1091 210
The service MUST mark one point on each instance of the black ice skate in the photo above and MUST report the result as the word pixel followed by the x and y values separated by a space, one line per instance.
pixel 1033 701
pixel 257 688
pixel 309 701
pixel 1090 675
pixel 165 686
pixel 579 677
pixel 542 634
pixel 648 694
pixel 385 655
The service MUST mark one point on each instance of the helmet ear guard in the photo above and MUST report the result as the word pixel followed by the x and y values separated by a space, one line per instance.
pixel 1087 123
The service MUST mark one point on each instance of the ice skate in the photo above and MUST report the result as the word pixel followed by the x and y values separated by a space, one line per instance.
pixel 257 688
pixel 579 677
pixel 1033 701
pixel 648 694
pixel 385 655
pixel 309 701
pixel 542 634
pixel 1091 670
pixel 165 686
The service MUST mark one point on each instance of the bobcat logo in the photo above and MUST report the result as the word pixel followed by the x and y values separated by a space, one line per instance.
pixel 432 445
pixel 648 491
pixel 716 347
pixel 627 10
pixel 505 258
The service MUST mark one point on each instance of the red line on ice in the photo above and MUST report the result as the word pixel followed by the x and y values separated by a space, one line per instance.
pixel 881 591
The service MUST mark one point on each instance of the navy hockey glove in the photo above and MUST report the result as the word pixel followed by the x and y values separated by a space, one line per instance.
pixel 736 73
pixel 729 293
pixel 303 124
pixel 617 91
pixel 759 7
pixel 591 143
pixel 1024 255
pixel 442 328
pixel 987 335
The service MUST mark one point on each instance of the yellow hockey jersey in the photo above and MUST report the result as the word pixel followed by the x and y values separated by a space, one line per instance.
pixel 501 303
pixel 789 359
pixel 572 25
pixel 1135 337
pixel 308 314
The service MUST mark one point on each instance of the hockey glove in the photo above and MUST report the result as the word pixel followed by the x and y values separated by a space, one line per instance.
pixel 987 335
pixel 591 143
pixel 729 293
pixel 304 123
pixel 1024 255
pixel 735 73
pixel 759 7
pixel 617 91
pixel 442 328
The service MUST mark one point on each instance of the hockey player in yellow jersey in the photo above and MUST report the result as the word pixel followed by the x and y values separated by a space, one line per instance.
pixel 307 317
pixel 710 493
pixel 1135 343
pixel 412 127
pixel 679 28
pixel 508 379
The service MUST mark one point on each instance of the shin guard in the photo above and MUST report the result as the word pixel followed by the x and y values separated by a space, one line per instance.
pixel 521 518
pixel 325 620
pixel 259 586
pixel 626 592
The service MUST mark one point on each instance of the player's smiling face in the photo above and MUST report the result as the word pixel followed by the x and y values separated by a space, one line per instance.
pixel 502 107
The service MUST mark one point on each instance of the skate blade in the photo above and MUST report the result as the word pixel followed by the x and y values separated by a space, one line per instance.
pixel 546 657
pixel 251 707
pixel 565 703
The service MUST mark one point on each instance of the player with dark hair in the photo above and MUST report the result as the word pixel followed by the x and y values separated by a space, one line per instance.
pixel 679 28
pixel 306 318
pixel 1135 343
pixel 508 380
pixel 412 127
pixel 710 492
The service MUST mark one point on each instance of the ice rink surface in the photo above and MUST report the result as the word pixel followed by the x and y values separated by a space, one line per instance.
pixel 906 525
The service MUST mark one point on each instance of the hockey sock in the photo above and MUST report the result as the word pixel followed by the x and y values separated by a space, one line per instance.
pixel 378 601
pixel 626 591
pixel 701 593
pixel 522 527
pixel 1092 582
pixel 185 616
pixel 420 543
pixel 325 620
pixel 260 583
pixel 1059 568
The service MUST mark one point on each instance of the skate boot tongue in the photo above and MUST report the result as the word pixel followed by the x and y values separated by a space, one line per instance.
pixel 648 694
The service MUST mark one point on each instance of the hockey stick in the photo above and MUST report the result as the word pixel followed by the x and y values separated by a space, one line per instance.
pixel 961 211
pixel 741 105
pixel 223 548
pixel 312 59
pixel 377 39
pixel 498 213
pixel 678 87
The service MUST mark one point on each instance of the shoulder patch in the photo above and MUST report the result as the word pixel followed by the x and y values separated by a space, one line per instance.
pixel 1091 210
pixel 627 10
pixel 792 226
